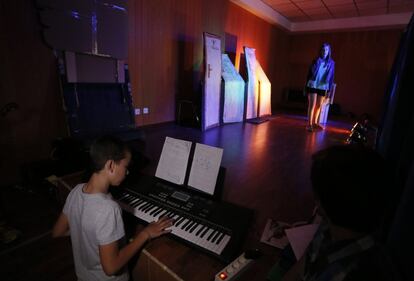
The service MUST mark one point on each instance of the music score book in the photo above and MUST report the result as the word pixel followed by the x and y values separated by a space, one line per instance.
pixel 204 168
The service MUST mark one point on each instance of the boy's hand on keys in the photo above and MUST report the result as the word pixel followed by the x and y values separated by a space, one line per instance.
pixel 158 228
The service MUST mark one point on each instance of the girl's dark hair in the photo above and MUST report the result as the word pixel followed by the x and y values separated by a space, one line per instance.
pixel 106 148
pixel 351 182
pixel 328 57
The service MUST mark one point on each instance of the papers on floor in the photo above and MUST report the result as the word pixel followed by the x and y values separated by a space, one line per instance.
pixel 274 234
pixel 279 234
pixel 300 237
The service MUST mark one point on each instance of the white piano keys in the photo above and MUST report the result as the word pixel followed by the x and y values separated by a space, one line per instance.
pixel 188 229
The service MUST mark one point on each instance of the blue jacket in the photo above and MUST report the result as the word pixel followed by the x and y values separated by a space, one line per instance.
pixel 313 70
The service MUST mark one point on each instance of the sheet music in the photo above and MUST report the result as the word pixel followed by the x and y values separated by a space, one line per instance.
pixel 173 160
pixel 205 167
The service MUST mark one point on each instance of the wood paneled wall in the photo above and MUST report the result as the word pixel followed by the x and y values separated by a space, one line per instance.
pixel 166 49
pixel 166 52
pixel 363 64
pixel 28 77
pixel 165 58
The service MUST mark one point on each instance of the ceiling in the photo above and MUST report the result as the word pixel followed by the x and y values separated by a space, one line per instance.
pixel 310 10
pixel 317 15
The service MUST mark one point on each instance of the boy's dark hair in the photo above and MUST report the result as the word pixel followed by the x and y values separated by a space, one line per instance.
pixel 351 183
pixel 107 148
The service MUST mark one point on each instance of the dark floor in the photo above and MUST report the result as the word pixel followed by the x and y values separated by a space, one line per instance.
pixel 267 169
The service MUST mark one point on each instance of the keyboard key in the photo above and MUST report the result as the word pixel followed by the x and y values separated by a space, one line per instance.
pixel 185 225
pixel 189 225
pixel 211 235
pixel 212 239
pixel 194 227
pixel 200 230
pixel 205 232
pixel 220 238
pixel 215 236
pixel 154 211
pixel 178 222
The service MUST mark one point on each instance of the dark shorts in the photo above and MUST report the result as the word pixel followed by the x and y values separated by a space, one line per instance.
pixel 316 91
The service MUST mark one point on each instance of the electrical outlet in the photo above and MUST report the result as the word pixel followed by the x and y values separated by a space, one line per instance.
pixel 137 111
pixel 145 110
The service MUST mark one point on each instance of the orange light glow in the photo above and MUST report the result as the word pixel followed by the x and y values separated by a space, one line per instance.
pixel 223 276
pixel 339 130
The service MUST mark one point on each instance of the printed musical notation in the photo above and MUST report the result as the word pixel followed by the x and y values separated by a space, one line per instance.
pixel 173 161
pixel 205 168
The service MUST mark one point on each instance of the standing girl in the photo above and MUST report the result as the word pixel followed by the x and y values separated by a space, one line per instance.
pixel 319 85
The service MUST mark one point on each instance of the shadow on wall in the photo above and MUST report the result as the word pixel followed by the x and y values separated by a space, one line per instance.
pixel 230 47
pixel 188 86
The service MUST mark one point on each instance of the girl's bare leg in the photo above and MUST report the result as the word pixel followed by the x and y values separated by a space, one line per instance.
pixel 312 99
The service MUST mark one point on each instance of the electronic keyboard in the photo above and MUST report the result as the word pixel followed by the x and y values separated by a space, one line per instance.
pixel 215 227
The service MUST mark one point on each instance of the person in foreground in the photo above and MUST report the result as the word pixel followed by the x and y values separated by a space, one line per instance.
pixel 93 219
pixel 350 184
pixel 319 84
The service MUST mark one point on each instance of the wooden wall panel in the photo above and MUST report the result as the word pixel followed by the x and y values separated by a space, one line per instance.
pixel 165 60
pixel 28 78
pixel 363 64
pixel 166 51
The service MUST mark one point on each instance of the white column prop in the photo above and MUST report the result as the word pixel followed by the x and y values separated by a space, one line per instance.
pixel 233 94
pixel 252 83
pixel 265 104
pixel 258 87
pixel 323 117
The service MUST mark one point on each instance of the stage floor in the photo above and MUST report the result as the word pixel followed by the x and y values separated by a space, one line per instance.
pixel 267 170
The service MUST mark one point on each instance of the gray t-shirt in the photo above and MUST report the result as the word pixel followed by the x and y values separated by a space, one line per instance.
pixel 94 219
